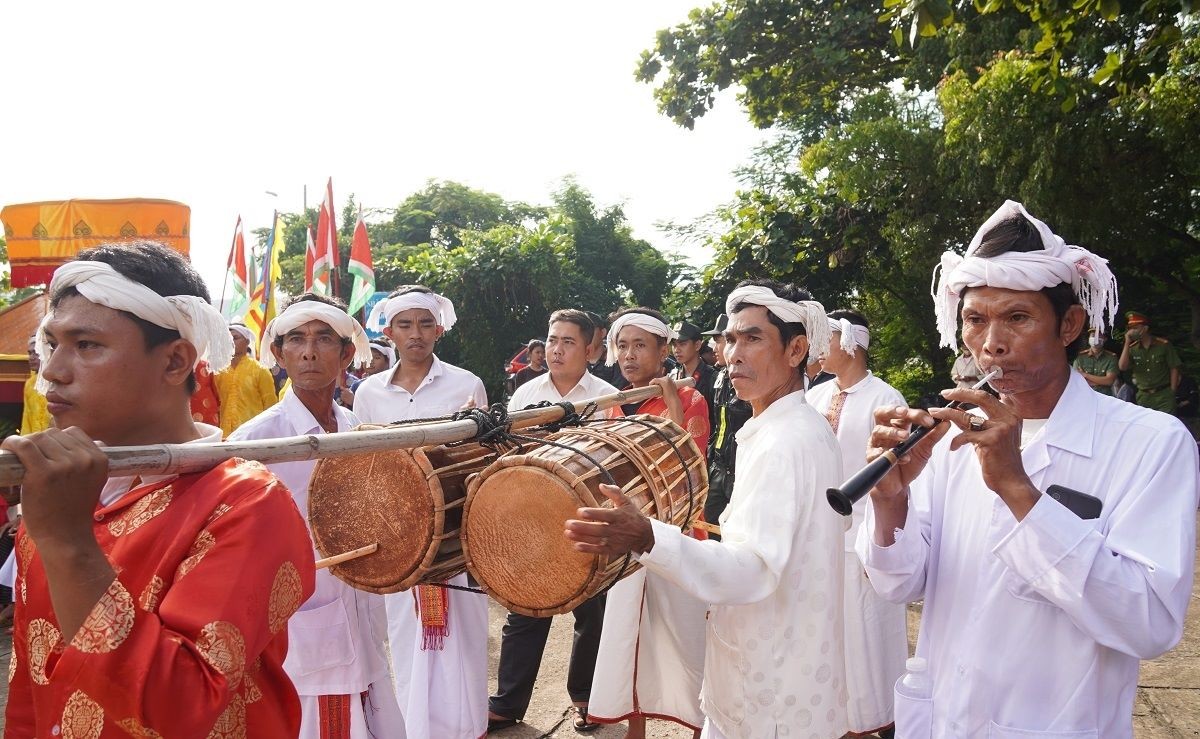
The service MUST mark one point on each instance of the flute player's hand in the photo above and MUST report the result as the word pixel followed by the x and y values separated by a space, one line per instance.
pixel 892 427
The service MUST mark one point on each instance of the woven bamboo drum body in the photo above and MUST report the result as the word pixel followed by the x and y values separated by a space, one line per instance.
pixel 518 506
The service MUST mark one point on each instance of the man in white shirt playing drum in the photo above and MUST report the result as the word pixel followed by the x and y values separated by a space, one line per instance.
pixel 876 630
pixel 344 692
pixel 773 647
pixel 440 669
pixel 524 637
pixel 1039 602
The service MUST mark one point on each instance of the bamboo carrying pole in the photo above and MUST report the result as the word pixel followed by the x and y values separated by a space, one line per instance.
pixel 178 459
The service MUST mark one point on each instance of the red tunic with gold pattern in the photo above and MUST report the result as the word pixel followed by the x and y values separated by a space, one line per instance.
pixel 189 639
pixel 206 405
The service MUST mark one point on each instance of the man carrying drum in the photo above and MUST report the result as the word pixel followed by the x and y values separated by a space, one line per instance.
pixel 437 636
pixel 773 647
pixel 1051 532
pixel 524 637
pixel 651 657
pixel 152 605
pixel 334 657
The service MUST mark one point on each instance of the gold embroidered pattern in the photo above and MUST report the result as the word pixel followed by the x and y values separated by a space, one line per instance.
pixel 24 593
pixel 148 600
pixel 43 638
pixel 133 727
pixel 252 464
pixel 252 691
pixel 147 507
pixel 204 541
pixel 12 665
pixel 232 724
pixel 285 597
pixel 83 718
pixel 219 511
pixel 109 623
pixel 222 646
pixel 24 553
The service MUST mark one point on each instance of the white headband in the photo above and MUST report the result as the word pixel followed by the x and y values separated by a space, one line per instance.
pixel 385 310
pixel 303 311
pixel 386 351
pixel 642 321
pixel 246 332
pixel 1087 274
pixel 853 335
pixel 193 317
pixel 808 313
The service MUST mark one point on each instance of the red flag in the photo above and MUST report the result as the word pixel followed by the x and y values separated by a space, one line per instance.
pixel 238 270
pixel 327 242
pixel 361 267
pixel 310 259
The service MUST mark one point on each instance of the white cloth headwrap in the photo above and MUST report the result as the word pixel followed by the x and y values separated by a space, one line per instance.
pixel 808 313
pixel 1087 274
pixel 853 335
pixel 246 332
pixel 642 321
pixel 385 310
pixel 387 352
pixel 193 317
pixel 303 311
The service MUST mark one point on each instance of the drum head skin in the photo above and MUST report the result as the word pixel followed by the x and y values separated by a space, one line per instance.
pixel 381 498
pixel 514 539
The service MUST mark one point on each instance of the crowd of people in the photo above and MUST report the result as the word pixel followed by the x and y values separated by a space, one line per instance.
pixel 1048 526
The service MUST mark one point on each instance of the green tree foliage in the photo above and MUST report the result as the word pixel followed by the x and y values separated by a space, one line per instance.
pixel 506 265
pixel 894 146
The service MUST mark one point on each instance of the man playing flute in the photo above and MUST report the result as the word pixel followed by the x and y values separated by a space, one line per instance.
pixel 127 621
pixel 773 645
pixel 335 647
pixel 1037 606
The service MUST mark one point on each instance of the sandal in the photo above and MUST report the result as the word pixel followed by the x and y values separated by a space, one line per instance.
pixel 579 720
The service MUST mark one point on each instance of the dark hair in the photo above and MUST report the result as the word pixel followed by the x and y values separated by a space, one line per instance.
pixel 405 289
pixel 582 319
pixel 707 349
pixel 661 340
pixel 535 344
pixel 1017 234
pixel 312 297
pixel 597 319
pixel 854 317
pixel 156 266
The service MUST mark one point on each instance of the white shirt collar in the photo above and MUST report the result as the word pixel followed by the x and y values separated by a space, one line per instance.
pixel 436 370
pixel 116 487
pixel 304 422
pixel 856 386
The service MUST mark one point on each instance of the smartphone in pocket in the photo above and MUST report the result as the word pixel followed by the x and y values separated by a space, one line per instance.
pixel 1081 504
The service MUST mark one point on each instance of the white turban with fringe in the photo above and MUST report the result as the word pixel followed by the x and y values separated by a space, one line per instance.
pixel 643 321
pixel 385 310
pixel 1057 263
pixel 193 317
pixel 301 312
pixel 853 335
pixel 808 313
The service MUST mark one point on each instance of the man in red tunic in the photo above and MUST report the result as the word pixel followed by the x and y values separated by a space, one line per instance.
pixel 154 605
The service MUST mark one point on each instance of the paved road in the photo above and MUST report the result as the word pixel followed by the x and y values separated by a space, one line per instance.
pixel 1168 701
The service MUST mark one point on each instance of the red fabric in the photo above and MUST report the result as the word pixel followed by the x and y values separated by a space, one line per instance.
pixel 695 422
pixel 192 634
pixel 327 241
pixel 334 716
pixel 310 258
pixel 433 610
pixel 206 405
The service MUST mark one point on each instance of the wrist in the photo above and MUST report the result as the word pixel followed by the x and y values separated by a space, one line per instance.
pixel 647 542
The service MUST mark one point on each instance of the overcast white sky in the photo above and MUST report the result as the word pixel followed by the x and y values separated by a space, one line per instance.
pixel 214 103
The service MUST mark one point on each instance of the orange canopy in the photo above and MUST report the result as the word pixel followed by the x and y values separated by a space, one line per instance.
pixel 41 236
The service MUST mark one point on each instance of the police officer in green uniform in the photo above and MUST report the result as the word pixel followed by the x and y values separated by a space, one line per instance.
pixel 728 413
pixel 1154 363
pixel 1097 365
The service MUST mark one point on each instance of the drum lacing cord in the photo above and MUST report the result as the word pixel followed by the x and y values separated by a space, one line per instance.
pixel 687 475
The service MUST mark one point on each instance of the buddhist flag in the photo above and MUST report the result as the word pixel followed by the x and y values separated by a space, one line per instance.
pixel 325 264
pixel 238 276
pixel 361 267
pixel 262 301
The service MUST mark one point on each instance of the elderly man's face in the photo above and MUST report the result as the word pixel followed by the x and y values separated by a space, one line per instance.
pixel 762 367
pixel 1018 331
pixel 314 355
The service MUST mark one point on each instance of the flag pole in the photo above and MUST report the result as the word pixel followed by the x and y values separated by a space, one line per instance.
pixel 228 266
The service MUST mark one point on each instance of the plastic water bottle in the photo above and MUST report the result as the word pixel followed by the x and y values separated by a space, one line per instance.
pixel 916 682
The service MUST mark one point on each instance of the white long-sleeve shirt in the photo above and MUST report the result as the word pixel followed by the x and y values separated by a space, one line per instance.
pixel 773 659
pixel 335 640
pixel 1036 628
